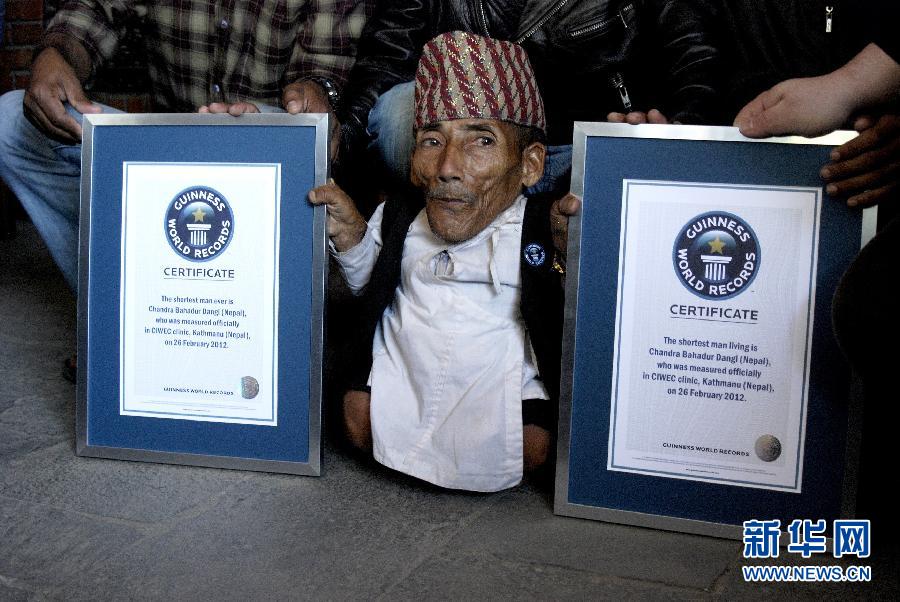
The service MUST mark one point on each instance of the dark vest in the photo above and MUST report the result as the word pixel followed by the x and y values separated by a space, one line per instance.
pixel 541 301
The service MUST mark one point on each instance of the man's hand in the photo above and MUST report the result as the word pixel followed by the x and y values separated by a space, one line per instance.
pixel 638 117
pixel 305 96
pixel 346 226
pixel 54 82
pixel 560 212
pixel 866 169
pixel 808 106
pixel 232 108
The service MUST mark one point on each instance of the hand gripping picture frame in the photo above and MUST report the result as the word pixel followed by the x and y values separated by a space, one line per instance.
pixel 201 290
pixel 702 384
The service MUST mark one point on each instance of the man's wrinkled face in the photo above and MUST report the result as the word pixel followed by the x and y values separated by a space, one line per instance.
pixel 471 170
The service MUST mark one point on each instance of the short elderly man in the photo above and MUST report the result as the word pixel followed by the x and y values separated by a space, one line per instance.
pixel 202 55
pixel 463 299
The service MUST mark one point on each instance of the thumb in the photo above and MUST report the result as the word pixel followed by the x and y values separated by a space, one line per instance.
pixel 293 99
pixel 76 97
pixel 569 205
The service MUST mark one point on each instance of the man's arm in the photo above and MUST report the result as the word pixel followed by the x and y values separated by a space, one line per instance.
pixel 560 212
pixel 812 106
pixel 354 243
pixel 389 50
pixel 80 37
pixel 323 54
pixel 55 81
pixel 864 170
pixel 325 49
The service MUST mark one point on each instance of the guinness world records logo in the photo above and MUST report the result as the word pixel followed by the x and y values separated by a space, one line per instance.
pixel 716 255
pixel 199 223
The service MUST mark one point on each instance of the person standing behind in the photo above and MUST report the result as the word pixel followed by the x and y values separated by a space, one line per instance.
pixel 807 69
pixel 589 58
pixel 292 55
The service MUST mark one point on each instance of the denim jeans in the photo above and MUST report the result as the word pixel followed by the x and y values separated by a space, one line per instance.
pixel 391 125
pixel 45 176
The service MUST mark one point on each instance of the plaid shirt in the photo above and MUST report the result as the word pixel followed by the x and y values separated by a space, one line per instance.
pixel 202 52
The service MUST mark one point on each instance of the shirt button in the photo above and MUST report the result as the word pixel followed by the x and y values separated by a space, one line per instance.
pixel 216 88
pixel 223 24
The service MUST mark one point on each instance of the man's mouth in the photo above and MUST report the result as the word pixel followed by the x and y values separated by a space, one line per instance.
pixel 449 197
pixel 448 200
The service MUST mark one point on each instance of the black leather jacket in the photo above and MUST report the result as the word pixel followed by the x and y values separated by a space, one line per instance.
pixel 590 56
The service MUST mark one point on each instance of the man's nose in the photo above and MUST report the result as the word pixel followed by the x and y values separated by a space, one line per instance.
pixel 450 163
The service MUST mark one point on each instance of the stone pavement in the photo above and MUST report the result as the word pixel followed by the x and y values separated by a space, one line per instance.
pixel 87 529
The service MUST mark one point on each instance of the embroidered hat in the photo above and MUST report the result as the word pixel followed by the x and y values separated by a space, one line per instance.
pixel 467 76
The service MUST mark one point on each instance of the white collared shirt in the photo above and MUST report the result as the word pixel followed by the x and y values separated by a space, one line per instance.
pixel 450 368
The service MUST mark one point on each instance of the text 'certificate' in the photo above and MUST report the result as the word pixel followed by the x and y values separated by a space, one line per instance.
pixel 199 291
pixel 713 330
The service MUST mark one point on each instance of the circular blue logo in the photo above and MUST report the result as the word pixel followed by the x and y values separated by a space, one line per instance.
pixel 535 254
pixel 199 223
pixel 716 255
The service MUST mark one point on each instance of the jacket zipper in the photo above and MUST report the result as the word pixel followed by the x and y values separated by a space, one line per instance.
pixel 618 82
pixel 484 23
pixel 553 10
pixel 620 16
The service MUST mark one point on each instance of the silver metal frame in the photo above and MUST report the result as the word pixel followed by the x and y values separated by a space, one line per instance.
pixel 319 274
pixel 562 506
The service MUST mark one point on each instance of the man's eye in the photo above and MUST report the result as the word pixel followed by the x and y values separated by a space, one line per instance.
pixel 430 142
pixel 485 140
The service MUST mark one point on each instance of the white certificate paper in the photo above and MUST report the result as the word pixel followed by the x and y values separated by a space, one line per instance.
pixel 199 292
pixel 713 332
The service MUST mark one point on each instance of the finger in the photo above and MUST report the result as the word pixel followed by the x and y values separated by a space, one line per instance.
pixel 240 108
pixel 863 122
pixel 867 140
pixel 293 99
pixel 55 113
pixel 867 181
pixel 636 117
pixel 325 194
pixel 76 98
pixel 218 107
pixel 616 117
pixel 656 116
pixel 885 128
pixel 745 115
pixel 873 197
pixel 560 211
pixel 754 120
pixel 569 205
pixel 203 109
pixel 36 115
pixel 868 161
pixel 315 197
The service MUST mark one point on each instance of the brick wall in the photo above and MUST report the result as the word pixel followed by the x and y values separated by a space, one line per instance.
pixel 123 83
pixel 22 31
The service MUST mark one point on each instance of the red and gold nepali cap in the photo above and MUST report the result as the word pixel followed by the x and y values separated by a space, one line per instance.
pixel 467 76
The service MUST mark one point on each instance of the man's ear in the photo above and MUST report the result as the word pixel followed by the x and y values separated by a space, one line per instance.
pixel 533 163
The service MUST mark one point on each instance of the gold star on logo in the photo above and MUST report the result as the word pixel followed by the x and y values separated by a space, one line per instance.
pixel 199 215
pixel 716 246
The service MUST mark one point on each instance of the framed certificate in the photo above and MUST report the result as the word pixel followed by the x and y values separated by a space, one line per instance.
pixel 201 290
pixel 702 385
